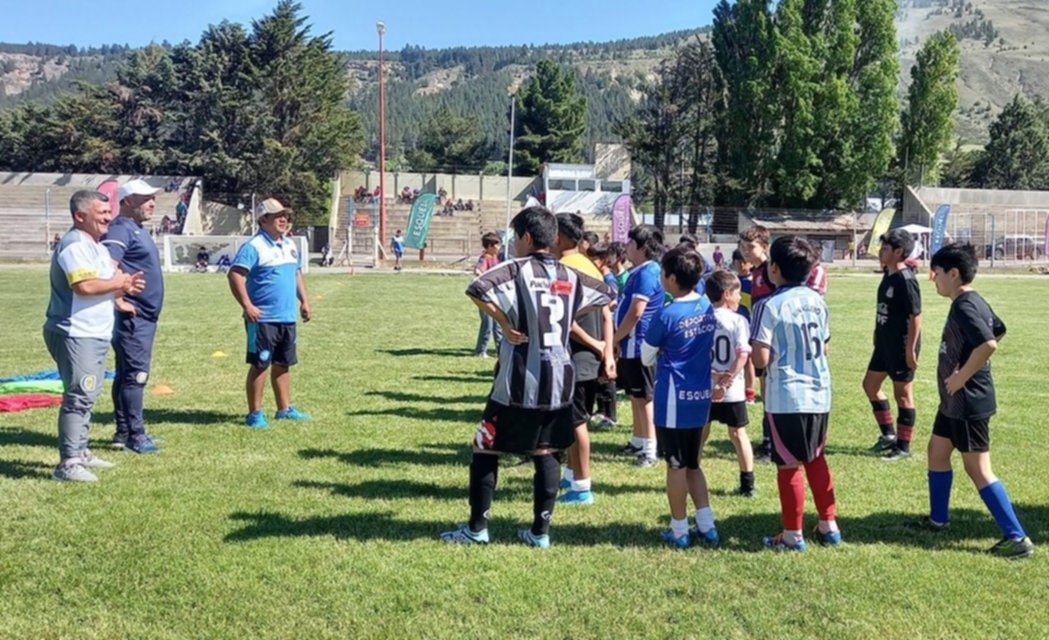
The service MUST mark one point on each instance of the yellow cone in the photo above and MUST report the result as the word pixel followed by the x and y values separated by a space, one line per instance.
pixel 220 354
pixel 163 390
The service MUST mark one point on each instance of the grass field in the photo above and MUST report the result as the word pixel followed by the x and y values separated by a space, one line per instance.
pixel 327 529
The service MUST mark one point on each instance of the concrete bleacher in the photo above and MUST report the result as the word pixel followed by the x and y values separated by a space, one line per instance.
pixel 27 222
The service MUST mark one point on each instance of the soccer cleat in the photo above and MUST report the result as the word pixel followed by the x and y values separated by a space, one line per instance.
pixel 678 542
pixel 763 453
pixel 630 449
pixel 645 462
pixel 777 543
pixel 145 444
pixel 539 542
pixel 828 538
pixel 291 413
pixel 73 472
pixel 577 497
pixel 601 421
pixel 256 420
pixel 925 523
pixel 884 443
pixel 709 539
pixel 744 492
pixel 463 535
pixel 894 453
pixel 89 461
pixel 1013 548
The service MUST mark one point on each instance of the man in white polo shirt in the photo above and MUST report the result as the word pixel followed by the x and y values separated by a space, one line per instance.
pixel 79 326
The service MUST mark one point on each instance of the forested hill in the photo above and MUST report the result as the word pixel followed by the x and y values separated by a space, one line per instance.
pixel 1003 47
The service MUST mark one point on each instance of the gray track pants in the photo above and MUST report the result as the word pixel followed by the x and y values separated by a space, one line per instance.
pixel 82 365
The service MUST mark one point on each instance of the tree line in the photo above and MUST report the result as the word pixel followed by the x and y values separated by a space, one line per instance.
pixel 253 111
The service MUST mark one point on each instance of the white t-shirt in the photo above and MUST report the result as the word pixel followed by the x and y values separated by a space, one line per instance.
pixel 731 338
pixel 79 257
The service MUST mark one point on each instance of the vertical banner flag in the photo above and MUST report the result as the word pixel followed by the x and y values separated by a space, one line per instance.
pixel 110 188
pixel 621 218
pixel 1045 249
pixel 419 220
pixel 881 225
pixel 939 227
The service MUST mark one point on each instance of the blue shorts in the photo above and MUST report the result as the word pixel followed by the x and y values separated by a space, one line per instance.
pixel 271 343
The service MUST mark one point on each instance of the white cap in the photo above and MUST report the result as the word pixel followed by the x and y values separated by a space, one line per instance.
pixel 270 206
pixel 136 187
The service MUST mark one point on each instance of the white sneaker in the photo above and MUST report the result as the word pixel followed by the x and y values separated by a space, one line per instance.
pixel 90 461
pixel 73 472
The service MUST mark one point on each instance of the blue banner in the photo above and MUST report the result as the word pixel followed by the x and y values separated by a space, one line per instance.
pixel 419 220
pixel 939 227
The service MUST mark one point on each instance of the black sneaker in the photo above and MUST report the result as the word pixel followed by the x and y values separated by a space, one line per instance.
pixel 884 443
pixel 925 523
pixel 630 449
pixel 744 492
pixel 896 452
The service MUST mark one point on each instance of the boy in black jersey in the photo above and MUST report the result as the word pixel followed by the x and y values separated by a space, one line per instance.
pixel 967 402
pixel 535 299
pixel 897 341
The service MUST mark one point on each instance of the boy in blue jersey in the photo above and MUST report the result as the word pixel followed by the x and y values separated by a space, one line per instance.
pixel 397 244
pixel 967 402
pixel 790 333
pixel 266 280
pixel 639 300
pixel 678 342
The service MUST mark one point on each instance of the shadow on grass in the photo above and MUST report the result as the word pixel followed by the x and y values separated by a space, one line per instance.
pixel 510 488
pixel 400 396
pixel 438 414
pixel 380 457
pixel 175 416
pixel 25 437
pixel 19 469
pixel 479 376
pixel 427 351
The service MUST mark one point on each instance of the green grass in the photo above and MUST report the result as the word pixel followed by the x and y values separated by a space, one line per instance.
pixel 328 529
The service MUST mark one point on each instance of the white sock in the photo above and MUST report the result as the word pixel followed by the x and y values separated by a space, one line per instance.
pixel 637 442
pixel 568 475
pixel 704 519
pixel 679 527
pixel 581 485
pixel 827 526
pixel 650 447
pixel 792 537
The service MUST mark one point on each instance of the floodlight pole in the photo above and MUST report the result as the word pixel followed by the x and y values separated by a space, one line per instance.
pixel 510 167
pixel 381 28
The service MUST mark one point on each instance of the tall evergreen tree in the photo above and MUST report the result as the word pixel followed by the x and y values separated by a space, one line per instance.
pixel 926 123
pixel 1017 155
pixel 551 119
pixel 450 143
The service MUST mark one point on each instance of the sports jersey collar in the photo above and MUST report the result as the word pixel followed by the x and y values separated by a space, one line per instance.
pixel 691 296
pixel 545 257
pixel 127 219
pixel 270 241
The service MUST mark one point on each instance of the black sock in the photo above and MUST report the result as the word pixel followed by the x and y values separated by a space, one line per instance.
pixel 484 471
pixel 547 474
pixel 746 480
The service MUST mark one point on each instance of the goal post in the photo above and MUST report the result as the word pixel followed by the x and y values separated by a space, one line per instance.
pixel 180 252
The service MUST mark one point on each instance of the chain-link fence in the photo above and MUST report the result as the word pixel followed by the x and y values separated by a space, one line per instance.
pixel 1009 236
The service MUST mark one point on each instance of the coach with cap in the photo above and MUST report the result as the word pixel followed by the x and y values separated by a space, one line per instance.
pixel 266 280
pixel 133 250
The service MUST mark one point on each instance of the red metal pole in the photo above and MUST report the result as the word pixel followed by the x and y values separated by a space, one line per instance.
pixel 382 139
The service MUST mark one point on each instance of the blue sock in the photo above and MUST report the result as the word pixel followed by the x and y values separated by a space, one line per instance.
pixel 940 495
pixel 997 501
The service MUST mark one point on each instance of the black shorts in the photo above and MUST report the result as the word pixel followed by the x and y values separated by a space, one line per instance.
pixel 522 431
pixel 583 399
pixel 636 378
pixel 731 414
pixel 271 343
pixel 679 447
pixel 967 436
pixel 797 437
pixel 892 362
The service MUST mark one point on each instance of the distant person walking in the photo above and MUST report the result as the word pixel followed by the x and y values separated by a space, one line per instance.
pixel 133 250
pixel 79 326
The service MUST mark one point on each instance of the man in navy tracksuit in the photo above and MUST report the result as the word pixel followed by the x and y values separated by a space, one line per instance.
pixel 134 251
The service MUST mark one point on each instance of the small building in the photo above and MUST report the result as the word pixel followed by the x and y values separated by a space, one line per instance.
pixel 834 231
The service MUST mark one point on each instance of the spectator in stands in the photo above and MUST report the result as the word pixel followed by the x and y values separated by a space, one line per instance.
pixel 266 280
pixel 469 205
pixel 181 209
pixel 406 195
pixel 79 326
pixel 173 185
pixel 55 240
pixel 327 258
pixel 459 206
pixel 719 258
pixel 224 263
pixel 202 260
pixel 137 314
pixel 165 224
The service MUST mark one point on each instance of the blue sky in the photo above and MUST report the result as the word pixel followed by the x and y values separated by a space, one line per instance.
pixel 429 23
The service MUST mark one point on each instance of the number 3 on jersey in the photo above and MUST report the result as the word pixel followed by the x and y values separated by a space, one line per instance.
pixel 550 321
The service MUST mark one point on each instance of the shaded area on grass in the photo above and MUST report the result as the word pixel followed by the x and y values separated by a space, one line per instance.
pixel 19 469
pixel 175 416
pixel 401 396
pixel 440 414
pixel 428 351
pixel 509 488
pixel 27 438
pixel 739 533
pixel 379 457
pixel 479 376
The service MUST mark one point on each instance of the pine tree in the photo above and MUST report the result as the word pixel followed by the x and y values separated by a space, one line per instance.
pixel 551 119
pixel 926 123
pixel 1017 155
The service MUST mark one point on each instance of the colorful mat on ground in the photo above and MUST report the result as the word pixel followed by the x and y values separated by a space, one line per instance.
pixel 23 401
pixel 32 386
pixel 46 374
